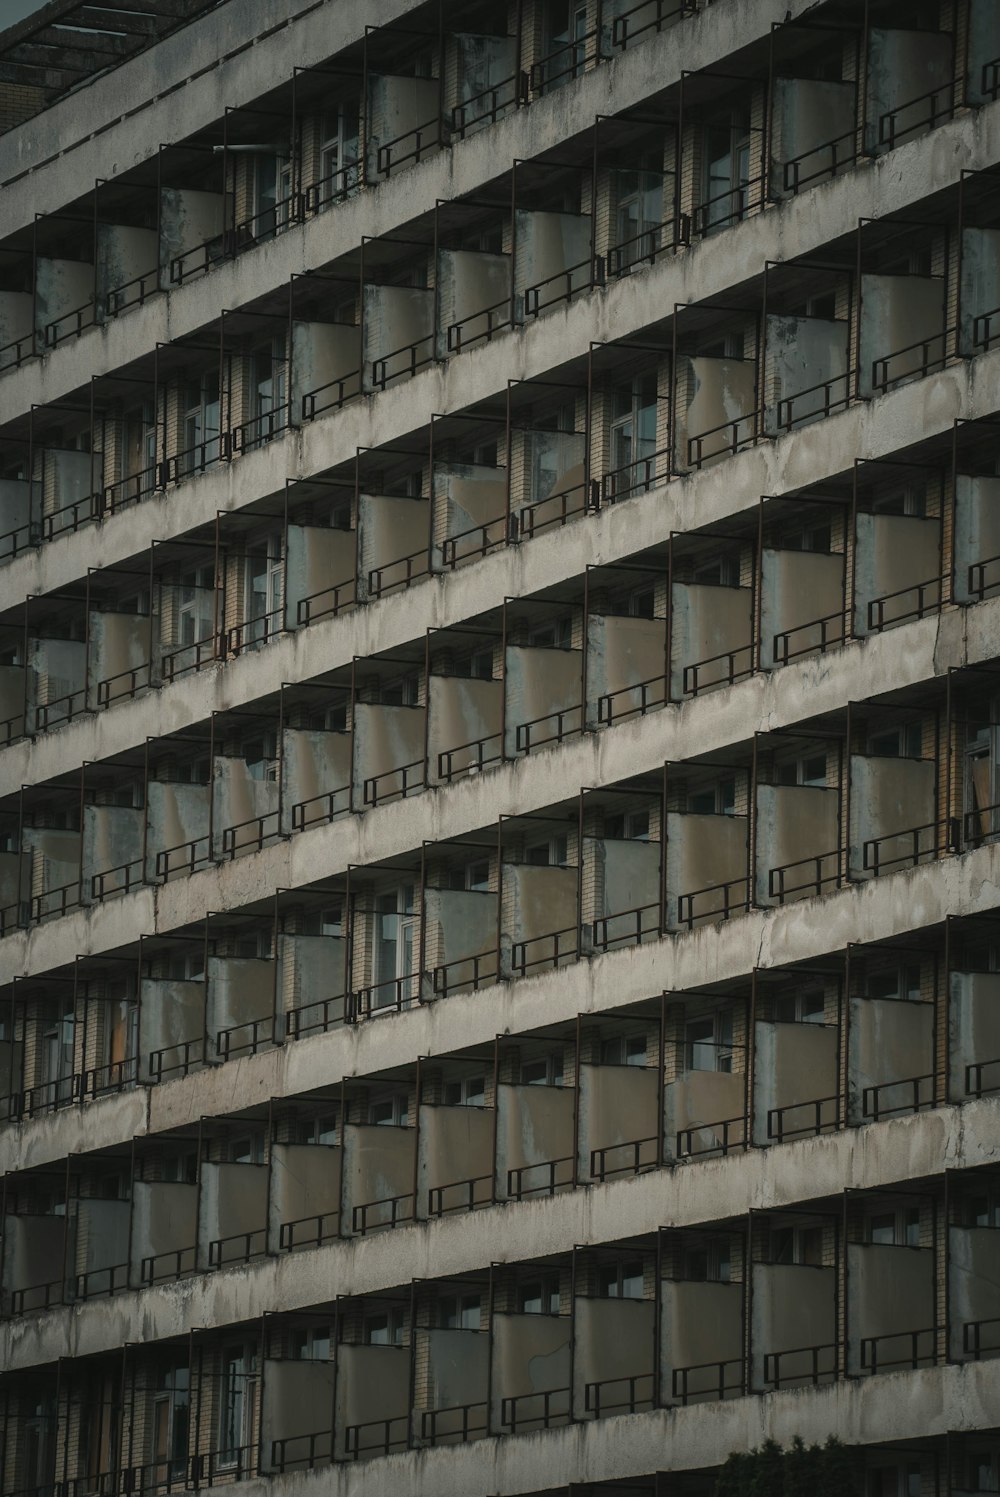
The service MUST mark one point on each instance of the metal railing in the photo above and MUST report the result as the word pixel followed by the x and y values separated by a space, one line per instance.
pixel 133 293
pixel 831 634
pixel 785 410
pixel 22 348
pixel 455 976
pixel 69 518
pixel 334 187
pixel 972 1337
pixel 566 723
pixel 646 247
pixel 564 285
pixel 929 599
pixel 733 1136
pixel 45 1096
pixel 726 1378
pixel 635 477
pixel 246 1038
pixel 223 1466
pixel 168 862
pixel 723 209
pixel 37 1296
pixel 731 443
pixel 874 1106
pixel 394 784
pixel 315 1448
pixel 69 324
pixel 891 132
pixel 331 810
pixel 330 1012
pixel 553 1175
pixel 873 1356
pixel 691 685
pixel 53 902
pixel 622 34
pixel 120 880
pixel 263 829
pixel 477 761
pixel 369 1003
pixel 469 1199
pixel 732 898
pixel 137 676
pixel 414 355
pixel 843 151
pixel 426 139
pixel 341 595
pixel 640 922
pixel 632 1154
pixel 652 694
pixel 95 1282
pixel 458 1423
pixel 413 566
pixel 258 430
pixel 188 1053
pixel 523 1408
pixel 310 399
pixel 253 633
pixel 815 1371
pixel 779 1128
pixel 458 338
pixel 60 710
pixel 487 542
pixel 133 488
pixel 568 60
pixel 108 1079
pixel 355 1448
pixel 809 873
pixel 488 105
pixel 875 862
pixel 190 657
pixel 238 1247
pixel 528 522
pixel 978 585
pixel 974 1084
pixel 557 947
pixel 308 1231
pixel 388 1212
pixel 925 364
pixel 614 1395
pixel 195 459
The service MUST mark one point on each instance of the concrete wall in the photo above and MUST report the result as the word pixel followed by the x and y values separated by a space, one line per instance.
pixel 697 1105
pixel 904 65
pixel 61 287
pixel 305 1182
pixel 553 478
pixel 386 738
pixel 470 282
pixel 546 244
pixel 59 853
pixel 983 47
pixel 977 532
pixel 473 495
pixel 397 106
pixel 171 1012
pixel 973 1287
pixel 462 710
pixel 457 1374
pixel 16 312
pixel 456 1145
pixel 973 1027
pixel 324 352
pixel 794 822
pixel 56 668
pixel 239 805
pixel 622 651
pixel 701 1323
pixel 534 1127
pixel 484 62
pixel 628 878
pixel 891 1292
pixel 531 1354
pixel 892 553
pixel 979 290
pixel 177 814
pixel 15 878
pixel 318 972
pixel 614 1339
pixel 112 839
pixel 802 353
pixel 798 587
pixel 618 1106
pixel 187 219
pixel 720 392
pixel 164 1221
pixel 378 1164
pixel 703 852
pixel 317 559
pixel 795 1063
pixel 240 990
pixel 891 1040
pixel 373 1384
pixel 102 1240
pixel 890 795
pixel 119 643
pixel 705 622
pixel 123 254
pixel 296 1401
pixel 397 323
pixel 16 511
pixel 32 1252
pixel 460 924
pixel 314 763
pixel 233 1202
pixel 388 530
pixel 541 901
pixel 898 311
pixel 806 115
pixel 539 683
pixel 793 1307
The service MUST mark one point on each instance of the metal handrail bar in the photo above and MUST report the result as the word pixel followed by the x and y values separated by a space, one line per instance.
pixel 689 680
pixel 127 876
pixel 446 769
pixel 594 1401
pixel 384 163
pixel 316 197
pixel 620 34
pixel 134 675
pixel 436 1194
pixel 118 302
pixel 233 847
pixel 47 1291
pixel 481 973
pixel 702 223
pixel 516 1188
pixel 299 819
pixel 81 511
pixel 209 451
pixel 51 334
pixel 305 613
pixel 429 1418
pixel 7 734
pixel 785 409
pixel 871 1106
pixel 287 1231
pixel 599 1169
pixel 889 135
pixel 792 178
pixel 309 407
pixel 616 262
pixel 685 1137
pixel 372 795
pixel 16 545
pixel 680 1380
pixel 974 1078
pixel 685 902
pixel 296 1028
pixel 449 546
pixel 112 1076
pixel 605 710
pixel 778 888
pixel 215 1255
pixel 977 576
pixel 282 215
pixel 872 861
pixel 239 637
pixel 258 430
pixel 509 1414
pixel 696 444
pixel 519 950
pixel 870 1359
pixel 456 340
pixel 192 858
pixel 578 49
pixel 603 941
pixel 780 645
pixel 117 1279
pixel 380 366
pixel 280 1459
pixel 145 483
pixel 527 528
pixel 594 264
pixel 43 711
pixel 523 740
pixel 376 583
pixel 171 671
pixel 772 1360
pixel 19 357
pixel 777 1130
pixel 189 1059
pixel 38 909
pixel 359 1214
pixel 876 608
pixel 881 377
pixel 352 1436
pixel 460 121
pixel 972 1337
pixel 614 492
pixel 404 995
pixel 261 1034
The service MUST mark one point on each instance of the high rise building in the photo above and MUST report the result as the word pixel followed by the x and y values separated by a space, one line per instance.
pixel 500 744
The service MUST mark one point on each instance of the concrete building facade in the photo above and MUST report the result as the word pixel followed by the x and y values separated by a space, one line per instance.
pixel 500 744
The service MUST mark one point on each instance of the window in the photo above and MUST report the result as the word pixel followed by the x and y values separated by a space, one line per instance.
pixel 384 1328
pixel 460 1312
pixel 272 191
pixel 338 152
pixel 633 434
pixel 264 573
pixel 195 605
pixel 553 634
pixel 543 1070
pixel 474 877
pixel 982 775
pixel 895 1481
pixel 401 691
pixel 395 935
pixel 983 1209
pixel 552 853
pixel 260 755
pixel 564 47
pixel 638 209
pixel 902 982
pixel 708 1264
pixel 321 1130
pixel 800 1245
pixel 246 1150
pixel 470 1091
pixel 721 571
pixel 902 742
pixel 237 1387
pixel 200 422
pixel 800 1008
pixel 180 1168
pixel 806 769
pixel 138 445
pixel 727 170
pixel 310 1344
pixel 171 1420
pixel 714 800
pixel 539 1296
pixel 624 1050
pixel 983 1470
pixel 58 1044
pixel 621 1280
pixel 897 1227
pixel 810 536
pixel 122 1032
pixel 476 665
pixel 627 826
pixel 389 1112
pixel 328 922
pixel 708 1042
pixel 902 501
pixel 267 391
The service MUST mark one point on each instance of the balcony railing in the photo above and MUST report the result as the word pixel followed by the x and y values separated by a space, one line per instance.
pixel 308 1231
pixel 820 1366
pixel 727 668
pixel 479 759
pixel 803 1119
pixel 564 285
pixel 892 1098
pixel 176 1263
pixel 460 1195
pixel 725 1135
pixel 722 900
pixel 297 1451
pixel 633 1157
pixel 620 1395
pixel 544 1410
pixel 714 1379
pixel 377 1437
pixel 545 1178
pixel 383 1214
pixel 455 1425
pixel 821 161
pixel 938 104
pixel 550 950
pixel 899 1349
pixel 238 1247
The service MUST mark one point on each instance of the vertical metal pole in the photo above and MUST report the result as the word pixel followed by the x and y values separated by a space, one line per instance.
pixel 576 1105
pixel 495 1196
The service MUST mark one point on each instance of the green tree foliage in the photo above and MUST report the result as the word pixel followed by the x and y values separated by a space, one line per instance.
pixel 800 1471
